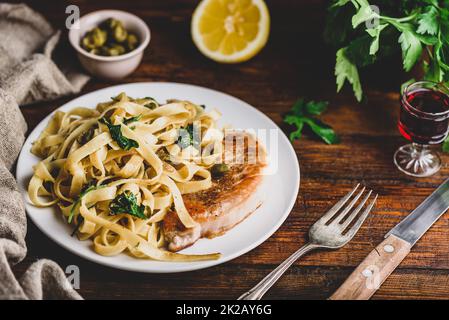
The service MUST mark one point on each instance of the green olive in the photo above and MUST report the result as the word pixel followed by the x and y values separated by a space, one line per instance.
pixel 219 169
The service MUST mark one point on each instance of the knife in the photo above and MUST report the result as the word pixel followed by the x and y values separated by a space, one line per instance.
pixel 380 263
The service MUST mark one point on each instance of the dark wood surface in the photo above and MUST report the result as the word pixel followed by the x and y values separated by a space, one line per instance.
pixel 295 63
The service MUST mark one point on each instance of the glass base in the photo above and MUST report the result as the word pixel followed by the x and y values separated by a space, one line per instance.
pixel 417 160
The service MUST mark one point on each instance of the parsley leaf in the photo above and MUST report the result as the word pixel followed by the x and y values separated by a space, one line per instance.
pixel 322 130
pixel 446 145
pixel 316 108
pixel 297 121
pixel 302 113
pixel 346 70
pixel 428 21
pixel 126 203
pixel 364 13
pixel 116 134
pixel 411 48
pixel 375 33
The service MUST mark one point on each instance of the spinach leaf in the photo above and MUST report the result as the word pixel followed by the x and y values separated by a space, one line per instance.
pixel 80 220
pixel 116 134
pixel 132 119
pixel 85 190
pixel 126 202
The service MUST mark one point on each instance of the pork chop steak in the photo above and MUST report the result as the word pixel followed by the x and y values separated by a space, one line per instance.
pixel 231 198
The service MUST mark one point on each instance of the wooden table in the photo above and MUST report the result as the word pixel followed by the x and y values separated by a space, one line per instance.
pixel 295 63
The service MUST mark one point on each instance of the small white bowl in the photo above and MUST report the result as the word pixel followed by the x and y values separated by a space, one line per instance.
pixel 116 67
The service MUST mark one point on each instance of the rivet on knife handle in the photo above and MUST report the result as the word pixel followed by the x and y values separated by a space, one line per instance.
pixel 373 271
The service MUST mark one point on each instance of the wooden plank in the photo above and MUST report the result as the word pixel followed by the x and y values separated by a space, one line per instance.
pixel 229 282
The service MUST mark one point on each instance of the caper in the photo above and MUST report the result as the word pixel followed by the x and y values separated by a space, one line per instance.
pixel 151 105
pixel 120 33
pixel 86 43
pixel 163 154
pixel 132 41
pixel 118 48
pixel 109 23
pixel 86 136
pixel 94 39
pixel 100 36
pixel 219 169
pixel 94 51
pixel 113 52
pixel 104 51
pixel 110 38
pixel 122 97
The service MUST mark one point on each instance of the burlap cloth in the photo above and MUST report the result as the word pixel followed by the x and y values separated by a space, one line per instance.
pixel 27 74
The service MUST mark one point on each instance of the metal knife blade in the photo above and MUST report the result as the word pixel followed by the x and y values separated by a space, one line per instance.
pixel 412 227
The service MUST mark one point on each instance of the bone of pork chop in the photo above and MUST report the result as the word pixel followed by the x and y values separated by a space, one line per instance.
pixel 229 200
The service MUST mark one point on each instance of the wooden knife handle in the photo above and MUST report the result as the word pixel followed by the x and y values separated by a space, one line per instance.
pixel 373 271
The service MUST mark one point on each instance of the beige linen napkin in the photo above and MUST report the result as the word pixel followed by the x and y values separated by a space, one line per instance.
pixel 27 74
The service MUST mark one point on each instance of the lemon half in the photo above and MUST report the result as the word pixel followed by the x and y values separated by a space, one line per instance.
pixel 230 31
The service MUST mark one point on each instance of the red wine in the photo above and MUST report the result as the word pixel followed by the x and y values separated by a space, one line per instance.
pixel 424 116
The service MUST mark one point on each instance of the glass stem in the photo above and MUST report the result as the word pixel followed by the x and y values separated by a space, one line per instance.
pixel 419 148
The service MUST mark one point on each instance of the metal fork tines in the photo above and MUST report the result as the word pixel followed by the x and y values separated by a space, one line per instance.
pixel 332 231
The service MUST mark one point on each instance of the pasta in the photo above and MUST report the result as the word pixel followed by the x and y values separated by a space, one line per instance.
pixel 115 171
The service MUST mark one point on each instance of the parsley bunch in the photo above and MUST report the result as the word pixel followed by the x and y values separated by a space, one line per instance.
pixel 366 35
pixel 304 113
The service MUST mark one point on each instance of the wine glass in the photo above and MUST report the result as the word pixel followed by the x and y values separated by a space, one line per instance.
pixel 423 120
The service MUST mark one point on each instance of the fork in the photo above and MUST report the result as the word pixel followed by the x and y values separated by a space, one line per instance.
pixel 330 232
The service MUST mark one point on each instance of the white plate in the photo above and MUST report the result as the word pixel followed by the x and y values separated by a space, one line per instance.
pixel 283 184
